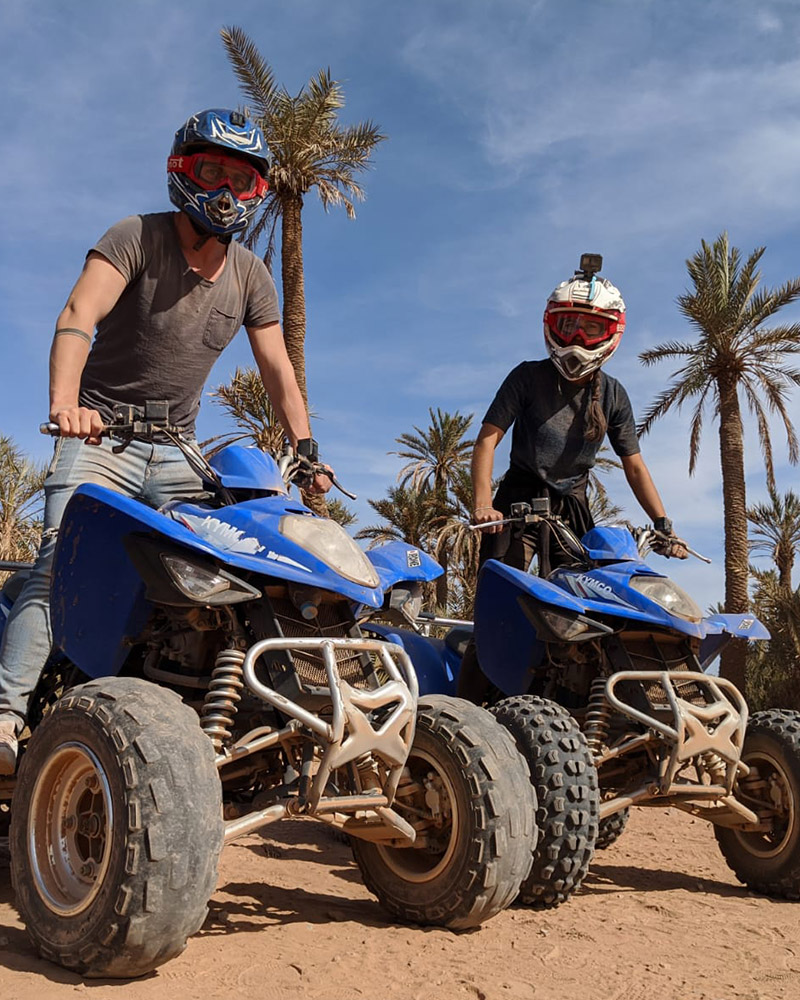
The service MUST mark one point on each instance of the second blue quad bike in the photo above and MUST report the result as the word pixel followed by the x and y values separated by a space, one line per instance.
pixel 599 668
pixel 210 676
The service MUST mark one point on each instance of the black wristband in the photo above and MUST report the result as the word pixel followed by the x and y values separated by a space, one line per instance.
pixel 663 524
pixel 308 448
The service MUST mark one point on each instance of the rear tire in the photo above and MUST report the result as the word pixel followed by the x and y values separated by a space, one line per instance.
pixel 565 778
pixel 481 833
pixel 611 828
pixel 116 829
pixel 769 862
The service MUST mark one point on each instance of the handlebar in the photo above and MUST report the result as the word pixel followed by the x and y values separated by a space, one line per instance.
pixel 129 426
pixel 647 538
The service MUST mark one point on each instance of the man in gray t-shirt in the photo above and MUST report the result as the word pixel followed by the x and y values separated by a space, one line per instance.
pixel 171 322
pixel 165 294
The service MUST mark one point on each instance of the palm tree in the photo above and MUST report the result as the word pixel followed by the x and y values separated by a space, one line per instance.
pixel 773 679
pixel 411 517
pixel 246 400
pixel 21 503
pixel 735 353
pixel 435 453
pixel 776 527
pixel 309 149
pixel 436 456
pixel 341 513
pixel 457 546
pixel 602 507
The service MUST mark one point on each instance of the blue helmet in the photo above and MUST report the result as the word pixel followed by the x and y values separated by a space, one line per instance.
pixel 203 189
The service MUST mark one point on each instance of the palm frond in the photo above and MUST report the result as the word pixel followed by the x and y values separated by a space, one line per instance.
pixel 254 74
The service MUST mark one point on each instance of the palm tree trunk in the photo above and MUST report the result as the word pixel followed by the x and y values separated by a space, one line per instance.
pixel 294 309
pixel 784 560
pixel 734 499
pixel 294 294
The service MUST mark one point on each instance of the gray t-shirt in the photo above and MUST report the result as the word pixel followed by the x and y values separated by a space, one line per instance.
pixel 169 326
pixel 548 414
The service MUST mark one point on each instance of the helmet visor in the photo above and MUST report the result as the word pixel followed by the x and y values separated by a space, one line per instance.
pixel 211 171
pixel 586 330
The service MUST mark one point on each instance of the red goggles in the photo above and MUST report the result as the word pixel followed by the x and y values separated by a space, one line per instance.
pixel 215 170
pixel 584 329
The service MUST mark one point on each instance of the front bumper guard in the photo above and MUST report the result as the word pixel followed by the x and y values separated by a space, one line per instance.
pixel 349 735
pixel 712 732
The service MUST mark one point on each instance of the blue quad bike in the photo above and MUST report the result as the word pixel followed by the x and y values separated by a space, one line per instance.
pixel 598 668
pixel 209 676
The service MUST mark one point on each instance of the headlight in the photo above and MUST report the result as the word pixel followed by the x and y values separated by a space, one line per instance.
pixel 330 543
pixel 207 586
pixel 667 595
pixel 560 625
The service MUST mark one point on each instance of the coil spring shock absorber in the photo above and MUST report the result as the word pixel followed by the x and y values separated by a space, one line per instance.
pixel 715 766
pixel 221 701
pixel 598 714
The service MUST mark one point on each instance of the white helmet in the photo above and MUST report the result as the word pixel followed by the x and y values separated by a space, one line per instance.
pixel 583 323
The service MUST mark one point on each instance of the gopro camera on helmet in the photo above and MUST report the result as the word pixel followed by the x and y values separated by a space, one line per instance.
pixel 590 265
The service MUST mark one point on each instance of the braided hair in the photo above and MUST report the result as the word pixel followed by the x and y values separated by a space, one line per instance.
pixel 595 423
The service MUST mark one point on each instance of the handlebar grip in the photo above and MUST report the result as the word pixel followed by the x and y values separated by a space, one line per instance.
pixel 55 431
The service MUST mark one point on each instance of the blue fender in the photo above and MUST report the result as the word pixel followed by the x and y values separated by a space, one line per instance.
pixel 435 668
pixel 396 562
pixel 506 642
pixel 720 629
pixel 247 467
pixel 611 544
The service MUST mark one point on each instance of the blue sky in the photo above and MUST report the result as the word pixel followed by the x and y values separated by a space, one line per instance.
pixel 520 134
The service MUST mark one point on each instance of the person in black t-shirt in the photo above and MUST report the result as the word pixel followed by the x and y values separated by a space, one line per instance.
pixel 560 409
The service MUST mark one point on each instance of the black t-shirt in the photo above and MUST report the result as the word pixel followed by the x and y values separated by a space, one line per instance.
pixel 549 417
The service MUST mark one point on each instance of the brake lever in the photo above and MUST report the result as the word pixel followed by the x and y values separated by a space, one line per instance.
pixel 672 540
pixel 339 487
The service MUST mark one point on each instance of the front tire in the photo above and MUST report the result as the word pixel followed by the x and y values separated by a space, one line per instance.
pixel 611 828
pixel 565 778
pixel 468 781
pixel 769 861
pixel 116 829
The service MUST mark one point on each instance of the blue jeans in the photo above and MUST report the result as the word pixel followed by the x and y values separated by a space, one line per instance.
pixel 152 472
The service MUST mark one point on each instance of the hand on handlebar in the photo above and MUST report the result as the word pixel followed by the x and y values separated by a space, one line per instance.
pixel 323 479
pixel 484 519
pixel 312 477
pixel 671 546
pixel 79 422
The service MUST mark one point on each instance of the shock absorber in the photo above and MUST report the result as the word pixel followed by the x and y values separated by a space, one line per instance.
pixel 715 766
pixel 598 715
pixel 221 701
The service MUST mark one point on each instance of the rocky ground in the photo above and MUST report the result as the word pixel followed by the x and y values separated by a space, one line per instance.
pixel 660 917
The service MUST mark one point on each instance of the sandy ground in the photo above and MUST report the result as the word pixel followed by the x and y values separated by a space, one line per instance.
pixel 660 917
